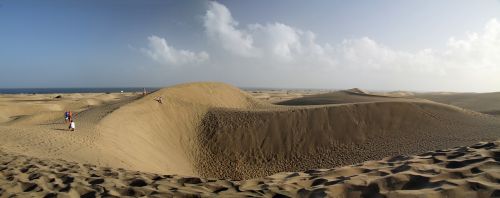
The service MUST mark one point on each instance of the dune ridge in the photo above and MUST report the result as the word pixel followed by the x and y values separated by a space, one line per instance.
pixel 216 130
pixel 480 102
pixel 164 135
pixel 341 97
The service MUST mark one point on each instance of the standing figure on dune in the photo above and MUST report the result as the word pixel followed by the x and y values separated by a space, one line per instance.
pixel 70 116
pixel 159 99
pixel 72 125
pixel 66 117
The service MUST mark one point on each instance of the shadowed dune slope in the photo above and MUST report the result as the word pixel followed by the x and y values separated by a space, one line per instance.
pixel 244 144
pixel 488 103
pixel 216 130
pixel 339 97
pixel 482 102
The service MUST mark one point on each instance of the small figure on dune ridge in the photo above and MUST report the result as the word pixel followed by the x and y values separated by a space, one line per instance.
pixel 159 99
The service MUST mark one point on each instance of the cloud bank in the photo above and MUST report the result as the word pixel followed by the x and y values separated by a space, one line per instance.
pixel 285 43
pixel 472 62
pixel 275 41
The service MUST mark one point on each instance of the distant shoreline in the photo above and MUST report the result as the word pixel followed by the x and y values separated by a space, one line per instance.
pixel 73 90
pixel 118 90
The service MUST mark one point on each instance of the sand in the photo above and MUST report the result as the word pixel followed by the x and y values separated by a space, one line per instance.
pixel 458 172
pixel 248 144
pixel 214 130
pixel 35 124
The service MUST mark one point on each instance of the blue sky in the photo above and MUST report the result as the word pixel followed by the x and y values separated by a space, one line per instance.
pixel 383 45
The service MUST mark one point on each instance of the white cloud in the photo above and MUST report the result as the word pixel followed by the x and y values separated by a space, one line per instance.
pixel 221 27
pixel 160 51
pixel 274 41
pixel 280 43
pixel 478 50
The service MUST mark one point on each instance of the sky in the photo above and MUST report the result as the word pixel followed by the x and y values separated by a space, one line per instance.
pixel 424 45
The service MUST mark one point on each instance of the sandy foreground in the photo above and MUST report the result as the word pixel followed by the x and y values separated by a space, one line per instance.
pixel 458 172
pixel 212 139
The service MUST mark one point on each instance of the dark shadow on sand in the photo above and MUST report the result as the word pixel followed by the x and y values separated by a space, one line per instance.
pixel 61 129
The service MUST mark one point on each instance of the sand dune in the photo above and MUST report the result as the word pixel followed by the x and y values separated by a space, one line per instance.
pixel 340 97
pixel 480 102
pixel 165 135
pixel 215 130
pixel 246 144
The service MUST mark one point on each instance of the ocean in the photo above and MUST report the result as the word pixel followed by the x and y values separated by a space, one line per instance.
pixel 73 90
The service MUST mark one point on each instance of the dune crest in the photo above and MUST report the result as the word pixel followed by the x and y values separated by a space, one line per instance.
pixel 162 137
pixel 216 130
pixel 357 91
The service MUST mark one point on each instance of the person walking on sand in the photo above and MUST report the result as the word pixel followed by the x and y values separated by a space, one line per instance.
pixel 66 117
pixel 72 125
pixel 70 116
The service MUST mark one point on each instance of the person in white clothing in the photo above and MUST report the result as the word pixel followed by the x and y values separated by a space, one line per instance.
pixel 72 125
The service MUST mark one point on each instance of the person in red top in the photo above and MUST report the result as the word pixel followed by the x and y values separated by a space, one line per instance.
pixel 70 116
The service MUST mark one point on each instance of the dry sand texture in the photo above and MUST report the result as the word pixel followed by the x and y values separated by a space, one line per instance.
pixel 253 143
pixel 216 130
pixel 459 172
